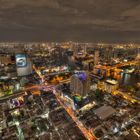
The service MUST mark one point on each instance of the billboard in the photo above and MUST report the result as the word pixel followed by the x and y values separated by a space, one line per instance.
pixel 23 64
pixel 21 60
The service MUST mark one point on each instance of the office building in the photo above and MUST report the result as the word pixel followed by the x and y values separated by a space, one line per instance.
pixel 24 65
pixel 80 83
pixel 96 57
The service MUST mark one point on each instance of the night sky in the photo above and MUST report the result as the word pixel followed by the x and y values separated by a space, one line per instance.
pixel 70 20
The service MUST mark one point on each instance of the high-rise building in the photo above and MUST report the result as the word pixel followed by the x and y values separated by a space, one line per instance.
pixel 110 87
pixel 108 54
pixel 24 65
pixel 80 83
pixel 96 57
pixel 138 58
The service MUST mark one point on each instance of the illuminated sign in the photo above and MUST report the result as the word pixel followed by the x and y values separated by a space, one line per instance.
pixel 81 75
pixel 21 60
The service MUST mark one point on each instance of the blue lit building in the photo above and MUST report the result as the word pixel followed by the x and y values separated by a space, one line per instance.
pixel 80 83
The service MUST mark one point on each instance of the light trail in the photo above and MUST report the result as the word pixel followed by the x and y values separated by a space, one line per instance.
pixel 87 133
pixel 38 73
pixel 126 96
pixel 116 67
pixel 84 130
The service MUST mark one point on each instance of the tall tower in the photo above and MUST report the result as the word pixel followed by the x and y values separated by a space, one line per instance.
pixel 80 83
pixel 109 54
pixel 23 64
pixel 138 58
pixel 85 49
pixel 96 57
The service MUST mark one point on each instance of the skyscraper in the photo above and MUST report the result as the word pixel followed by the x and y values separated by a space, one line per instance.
pixel 96 57
pixel 138 58
pixel 80 83
pixel 24 65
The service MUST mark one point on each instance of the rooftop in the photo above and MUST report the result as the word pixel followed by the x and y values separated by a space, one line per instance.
pixel 104 112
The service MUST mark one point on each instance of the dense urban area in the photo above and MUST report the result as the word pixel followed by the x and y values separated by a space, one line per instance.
pixel 69 91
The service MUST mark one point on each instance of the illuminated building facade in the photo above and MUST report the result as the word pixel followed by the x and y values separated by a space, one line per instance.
pixel 80 83
pixel 24 65
pixel 96 57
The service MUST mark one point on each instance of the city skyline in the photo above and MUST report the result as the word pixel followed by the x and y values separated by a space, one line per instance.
pixel 73 91
pixel 70 70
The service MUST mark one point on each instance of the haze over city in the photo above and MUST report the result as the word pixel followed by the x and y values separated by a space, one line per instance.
pixel 70 70
pixel 72 20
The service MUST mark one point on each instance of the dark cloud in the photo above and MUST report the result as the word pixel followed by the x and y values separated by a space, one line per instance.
pixel 78 20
